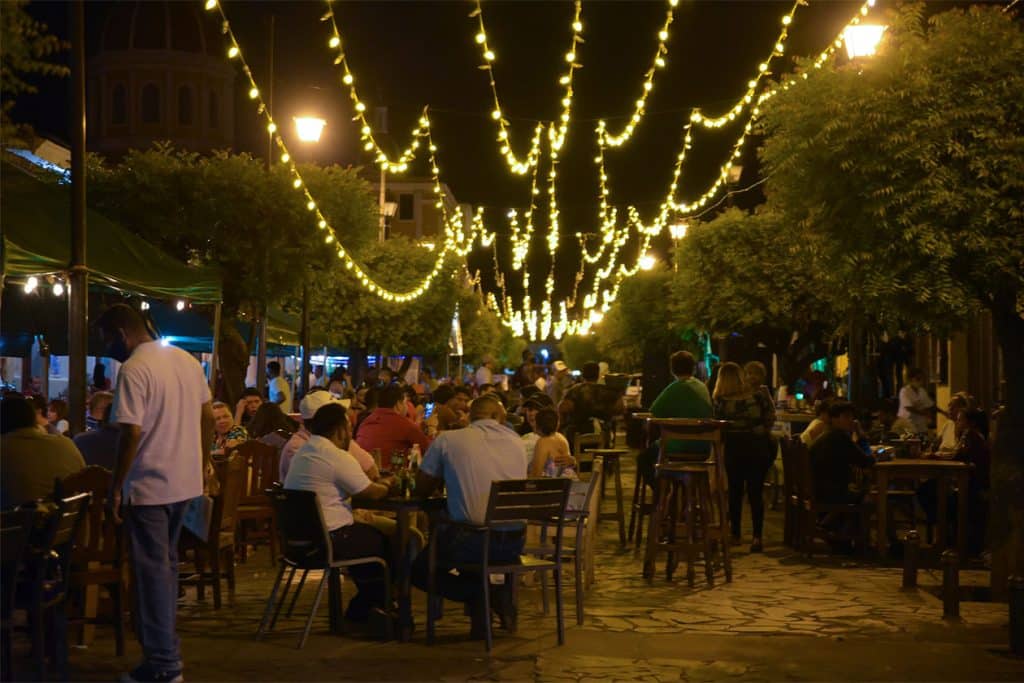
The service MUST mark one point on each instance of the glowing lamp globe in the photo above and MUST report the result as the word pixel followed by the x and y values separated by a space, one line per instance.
pixel 862 40
pixel 647 262
pixel 309 128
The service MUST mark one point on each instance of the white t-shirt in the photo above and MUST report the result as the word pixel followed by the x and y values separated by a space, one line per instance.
pixel 484 375
pixel 333 474
pixel 162 390
pixel 281 393
pixel 919 399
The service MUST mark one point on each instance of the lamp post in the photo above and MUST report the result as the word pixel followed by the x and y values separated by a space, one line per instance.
pixel 862 40
pixel 647 262
pixel 678 232
pixel 308 129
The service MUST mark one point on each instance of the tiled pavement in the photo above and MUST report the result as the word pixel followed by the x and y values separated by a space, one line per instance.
pixel 782 618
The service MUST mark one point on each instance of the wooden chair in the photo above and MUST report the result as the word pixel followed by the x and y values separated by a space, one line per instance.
pixel 306 545
pixel 15 531
pixel 218 550
pixel 581 444
pixel 581 553
pixel 255 514
pixel 513 500
pixel 812 510
pixel 99 558
pixel 44 589
pixel 690 501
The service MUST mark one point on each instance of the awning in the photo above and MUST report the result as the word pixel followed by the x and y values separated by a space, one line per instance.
pixel 36 220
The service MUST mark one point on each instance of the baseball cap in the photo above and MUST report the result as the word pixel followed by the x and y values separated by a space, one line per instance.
pixel 538 400
pixel 559 366
pixel 316 400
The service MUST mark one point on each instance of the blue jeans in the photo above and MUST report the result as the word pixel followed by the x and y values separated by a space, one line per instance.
pixel 153 531
pixel 457 546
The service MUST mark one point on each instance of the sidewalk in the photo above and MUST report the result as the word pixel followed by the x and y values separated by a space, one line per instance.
pixel 782 618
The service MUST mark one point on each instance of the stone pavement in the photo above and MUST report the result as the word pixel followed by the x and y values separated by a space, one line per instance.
pixel 782 618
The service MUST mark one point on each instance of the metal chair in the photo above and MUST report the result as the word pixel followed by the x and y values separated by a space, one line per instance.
pixel 513 500
pixel 15 531
pixel 306 545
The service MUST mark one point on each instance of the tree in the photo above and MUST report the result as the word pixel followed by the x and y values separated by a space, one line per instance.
pixel 910 169
pixel 755 273
pixel 24 46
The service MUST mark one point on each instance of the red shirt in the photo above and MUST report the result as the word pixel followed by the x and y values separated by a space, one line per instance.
pixel 388 431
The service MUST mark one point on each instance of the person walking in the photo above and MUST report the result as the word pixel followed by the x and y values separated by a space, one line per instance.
pixel 163 407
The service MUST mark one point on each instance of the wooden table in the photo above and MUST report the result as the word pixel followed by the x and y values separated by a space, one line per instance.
pixel 612 458
pixel 918 469
pixel 404 509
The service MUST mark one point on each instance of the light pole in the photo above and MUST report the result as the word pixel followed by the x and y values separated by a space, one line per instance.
pixel 678 232
pixel 862 40
pixel 308 129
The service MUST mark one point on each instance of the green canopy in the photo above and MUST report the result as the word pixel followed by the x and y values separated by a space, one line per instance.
pixel 36 220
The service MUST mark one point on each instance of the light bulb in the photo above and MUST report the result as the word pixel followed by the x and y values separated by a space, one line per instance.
pixel 253 93
pixel 210 4
pixel 489 55
pixel 481 38
pixel 348 79
pixel 496 114
pixel 180 305
pixel 31 284
pixel 232 52
pixel 570 56
pixel 335 41
pixel 144 306
pixel 577 26
pixel 662 35
pixel 285 158
pixel 58 289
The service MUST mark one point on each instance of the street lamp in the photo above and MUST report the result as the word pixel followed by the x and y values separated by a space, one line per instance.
pixel 678 231
pixel 309 128
pixel 647 262
pixel 862 40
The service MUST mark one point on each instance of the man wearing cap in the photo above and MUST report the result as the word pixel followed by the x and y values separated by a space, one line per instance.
pixel 559 383
pixel 317 398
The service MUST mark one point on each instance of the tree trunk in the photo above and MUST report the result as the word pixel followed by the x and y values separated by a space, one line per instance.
pixel 1006 510
pixel 357 366
pixel 233 359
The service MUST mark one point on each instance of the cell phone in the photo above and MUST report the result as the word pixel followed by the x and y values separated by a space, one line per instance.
pixel 428 410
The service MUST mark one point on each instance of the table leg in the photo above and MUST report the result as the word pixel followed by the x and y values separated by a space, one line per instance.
pixel 942 486
pixel 402 571
pixel 962 500
pixel 334 606
pixel 620 512
pixel 882 538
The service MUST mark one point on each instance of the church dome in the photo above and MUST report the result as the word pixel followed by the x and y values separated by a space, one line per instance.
pixel 149 25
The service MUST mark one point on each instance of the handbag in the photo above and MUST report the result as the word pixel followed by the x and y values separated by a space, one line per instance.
pixel 197 516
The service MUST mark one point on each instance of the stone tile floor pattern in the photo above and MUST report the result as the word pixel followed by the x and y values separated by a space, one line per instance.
pixel 783 617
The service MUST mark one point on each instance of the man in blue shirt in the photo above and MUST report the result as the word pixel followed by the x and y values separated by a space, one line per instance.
pixel 466 461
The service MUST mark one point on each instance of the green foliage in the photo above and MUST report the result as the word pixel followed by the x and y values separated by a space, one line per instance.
pixel 24 46
pixel 640 323
pixel 908 169
pixel 482 332
pixel 577 350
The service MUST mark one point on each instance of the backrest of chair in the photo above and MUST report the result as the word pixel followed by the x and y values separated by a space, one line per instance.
pixel 262 461
pixel 581 445
pixel 300 523
pixel 534 500
pixel 15 531
pixel 65 523
pixel 231 474
pixel 592 503
pixel 99 537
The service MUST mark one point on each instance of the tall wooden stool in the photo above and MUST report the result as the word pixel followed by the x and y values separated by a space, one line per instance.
pixel 611 464
pixel 689 515
pixel 640 507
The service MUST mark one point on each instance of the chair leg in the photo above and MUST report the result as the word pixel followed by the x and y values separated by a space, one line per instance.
pixel 579 587
pixel 542 577
pixel 229 561
pixel 298 589
pixel 116 591
pixel 270 601
pixel 312 612
pixel 273 541
pixel 38 626
pixel 201 571
pixel 558 605
pixel 634 507
pixel 284 597
pixel 433 600
pixel 59 634
pixel 654 531
pixel 488 638
pixel 215 575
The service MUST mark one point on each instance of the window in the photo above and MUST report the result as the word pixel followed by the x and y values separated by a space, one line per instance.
pixel 214 111
pixel 118 106
pixel 406 207
pixel 185 105
pixel 150 101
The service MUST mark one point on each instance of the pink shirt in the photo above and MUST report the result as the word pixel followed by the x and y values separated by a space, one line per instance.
pixel 300 438
pixel 387 430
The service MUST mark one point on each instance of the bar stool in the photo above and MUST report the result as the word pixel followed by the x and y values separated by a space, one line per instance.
pixel 611 463
pixel 689 515
pixel 640 507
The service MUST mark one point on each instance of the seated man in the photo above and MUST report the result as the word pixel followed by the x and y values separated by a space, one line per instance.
pixel 834 455
pixel 32 459
pixel 247 406
pixel 387 428
pixel 588 401
pixel 889 425
pixel 819 425
pixel 99 445
pixel 466 461
pixel 323 465
pixel 449 409
pixel 685 397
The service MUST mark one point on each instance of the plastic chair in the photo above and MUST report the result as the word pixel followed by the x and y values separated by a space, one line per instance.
pixel 513 500
pixel 306 545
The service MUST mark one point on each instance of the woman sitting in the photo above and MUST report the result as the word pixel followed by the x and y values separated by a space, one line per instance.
pixel 749 447
pixel 226 434
pixel 271 426
pixel 551 451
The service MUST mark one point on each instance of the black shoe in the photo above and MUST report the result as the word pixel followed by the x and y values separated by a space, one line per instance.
pixel 478 620
pixel 757 546
pixel 145 673
pixel 503 605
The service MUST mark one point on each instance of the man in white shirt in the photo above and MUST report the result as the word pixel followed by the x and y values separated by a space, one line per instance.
pixel 162 406
pixel 467 461
pixel 485 373
pixel 915 404
pixel 280 392
pixel 324 467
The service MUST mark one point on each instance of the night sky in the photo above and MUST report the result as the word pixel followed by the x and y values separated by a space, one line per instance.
pixel 408 54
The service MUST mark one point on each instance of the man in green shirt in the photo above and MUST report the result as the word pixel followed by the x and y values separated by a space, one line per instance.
pixel 32 459
pixel 685 397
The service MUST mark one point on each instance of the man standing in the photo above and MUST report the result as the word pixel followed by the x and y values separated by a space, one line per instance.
pixel 466 461
pixel 915 403
pixel 485 373
pixel 585 402
pixel 162 406
pixel 559 383
pixel 685 397
pixel 280 392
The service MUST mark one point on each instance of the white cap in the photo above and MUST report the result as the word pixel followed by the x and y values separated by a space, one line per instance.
pixel 316 400
pixel 559 366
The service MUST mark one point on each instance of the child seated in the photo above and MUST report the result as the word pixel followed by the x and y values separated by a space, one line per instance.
pixel 551 448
